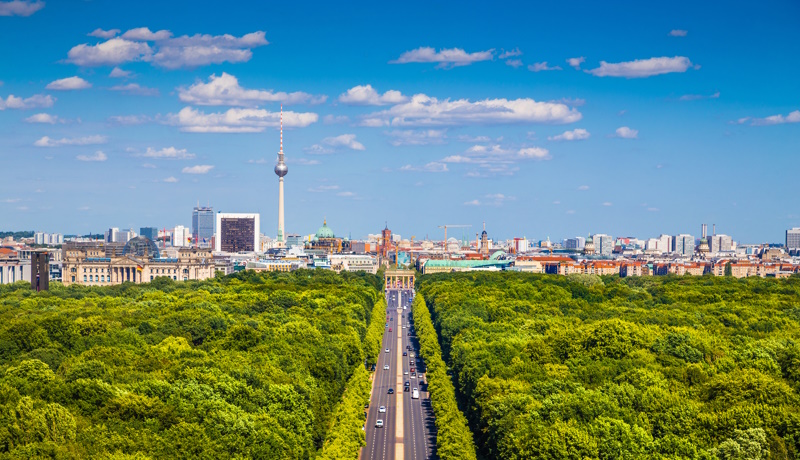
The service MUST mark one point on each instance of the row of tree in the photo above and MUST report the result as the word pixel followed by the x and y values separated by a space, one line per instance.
pixel 374 336
pixel 245 366
pixel 453 438
pixel 646 367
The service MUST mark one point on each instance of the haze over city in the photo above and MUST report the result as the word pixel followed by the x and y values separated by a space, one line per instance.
pixel 542 120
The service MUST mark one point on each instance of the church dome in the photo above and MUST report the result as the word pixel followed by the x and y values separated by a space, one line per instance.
pixel 324 231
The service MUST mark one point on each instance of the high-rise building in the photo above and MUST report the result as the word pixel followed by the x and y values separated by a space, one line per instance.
pixel 40 271
pixel 237 232
pixel 720 243
pixel 280 170
pixel 112 235
pixel 123 236
pixel 203 223
pixel 576 243
pixel 151 233
pixel 793 238
pixel 603 244
pixel 683 244
pixel 48 239
pixel 181 236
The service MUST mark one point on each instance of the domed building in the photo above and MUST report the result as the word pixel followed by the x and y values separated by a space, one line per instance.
pixel 588 247
pixel 326 241
pixel 141 247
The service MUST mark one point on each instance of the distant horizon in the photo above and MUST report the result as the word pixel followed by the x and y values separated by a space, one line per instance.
pixel 635 120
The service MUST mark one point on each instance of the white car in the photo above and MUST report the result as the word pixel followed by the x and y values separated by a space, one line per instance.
pixel 386 367
pixel 379 423
pixel 386 350
pixel 405 373
pixel 382 409
pixel 411 376
pixel 404 326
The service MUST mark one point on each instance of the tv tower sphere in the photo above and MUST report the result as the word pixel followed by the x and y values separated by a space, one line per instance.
pixel 281 169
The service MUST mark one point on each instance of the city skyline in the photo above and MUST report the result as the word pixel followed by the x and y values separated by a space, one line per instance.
pixel 594 122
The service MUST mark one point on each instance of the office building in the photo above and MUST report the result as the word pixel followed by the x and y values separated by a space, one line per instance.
pixel 237 232
pixel 793 238
pixel 575 244
pixel 48 239
pixel 683 244
pixel 112 235
pixel 151 233
pixel 603 244
pixel 203 224
pixel 720 243
pixel 40 271
pixel 181 236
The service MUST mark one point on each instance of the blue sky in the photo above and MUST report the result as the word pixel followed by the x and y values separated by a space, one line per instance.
pixel 540 119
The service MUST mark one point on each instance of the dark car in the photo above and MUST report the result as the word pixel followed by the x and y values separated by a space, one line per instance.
pixel 408 383
pixel 405 389
pixel 405 354
pixel 391 391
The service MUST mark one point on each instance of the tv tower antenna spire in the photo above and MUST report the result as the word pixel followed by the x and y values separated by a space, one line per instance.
pixel 281 170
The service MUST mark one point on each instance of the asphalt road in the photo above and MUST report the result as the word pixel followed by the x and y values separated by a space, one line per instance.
pixel 408 431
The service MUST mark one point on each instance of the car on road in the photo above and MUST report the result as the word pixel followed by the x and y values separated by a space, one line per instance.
pixel 391 391
pixel 386 367
pixel 382 409
pixel 408 383
pixel 379 423
pixel 413 377
pixel 404 326
pixel 405 354
pixel 415 393
pixel 390 329
pixel 405 373
pixel 386 350
pixel 405 389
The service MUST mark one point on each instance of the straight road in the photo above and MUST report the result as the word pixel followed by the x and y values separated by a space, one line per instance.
pixel 381 441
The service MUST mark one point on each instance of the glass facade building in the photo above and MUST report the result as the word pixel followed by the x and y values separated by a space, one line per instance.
pixel 203 224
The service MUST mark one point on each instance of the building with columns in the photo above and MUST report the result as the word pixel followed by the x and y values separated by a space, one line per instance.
pixel 93 264
pixel 398 279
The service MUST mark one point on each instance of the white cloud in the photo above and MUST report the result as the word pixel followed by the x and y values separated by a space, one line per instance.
pixel 20 8
pixel 225 90
pixel 512 53
pixel 792 117
pixel 146 35
pixel 542 66
pixel 237 120
pixel 129 119
pixel 642 68
pixel 171 179
pixel 34 102
pixel 423 110
pixel 88 140
pixel 412 137
pixel 452 57
pixel 536 153
pixel 472 203
pixel 98 156
pixel 344 140
pixel 116 72
pixel 111 52
pixel 69 83
pixel 515 63
pixel 583 188
pixel 624 132
pixel 695 97
pixel 574 135
pixel 168 52
pixel 170 153
pixel 134 88
pixel 495 159
pixel 100 33
pixel 433 166
pixel 678 33
pixel 607 203
pixel 576 62
pixel 44 118
pixel 366 95
pixel 197 169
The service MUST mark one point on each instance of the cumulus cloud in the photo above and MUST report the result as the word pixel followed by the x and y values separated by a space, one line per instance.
pixel 678 33
pixel 69 83
pixel 34 102
pixel 413 137
pixel 44 118
pixel 344 140
pixel 576 62
pixel 197 169
pixel 100 33
pixel 225 90
pixel 446 58
pixel 625 132
pixel 496 160
pixel 136 89
pixel 237 120
pixel 423 110
pixel 695 97
pixel 542 66
pixel 574 135
pixel 792 117
pixel 171 180
pixel 170 153
pixel 366 95
pixel 116 72
pixel 642 68
pixel 513 53
pixel 88 140
pixel 167 51
pixel 20 8
pixel 515 63
pixel 98 156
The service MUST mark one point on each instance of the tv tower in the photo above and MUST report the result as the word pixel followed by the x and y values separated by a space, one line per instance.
pixel 281 170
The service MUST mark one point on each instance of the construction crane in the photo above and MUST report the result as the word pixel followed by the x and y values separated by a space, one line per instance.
pixel 445 227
